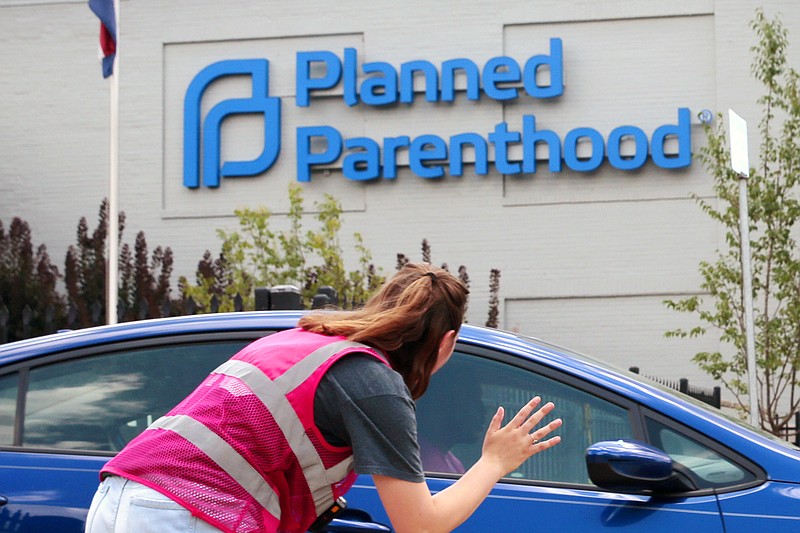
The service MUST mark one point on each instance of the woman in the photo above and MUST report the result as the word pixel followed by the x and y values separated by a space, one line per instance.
pixel 275 436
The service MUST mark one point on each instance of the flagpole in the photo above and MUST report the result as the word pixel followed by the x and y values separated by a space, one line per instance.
pixel 112 283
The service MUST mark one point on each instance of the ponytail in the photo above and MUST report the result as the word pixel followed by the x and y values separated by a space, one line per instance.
pixel 406 320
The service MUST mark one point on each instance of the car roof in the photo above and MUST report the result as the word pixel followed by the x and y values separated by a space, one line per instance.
pixel 574 363
pixel 142 329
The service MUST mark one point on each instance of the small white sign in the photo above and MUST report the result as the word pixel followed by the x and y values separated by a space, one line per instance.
pixel 739 160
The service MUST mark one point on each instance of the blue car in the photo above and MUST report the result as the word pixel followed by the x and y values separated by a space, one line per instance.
pixel 634 456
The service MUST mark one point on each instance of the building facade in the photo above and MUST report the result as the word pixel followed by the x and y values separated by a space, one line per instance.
pixel 553 140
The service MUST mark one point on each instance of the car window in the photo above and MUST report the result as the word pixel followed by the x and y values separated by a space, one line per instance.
pixel 8 407
pixel 101 402
pixel 710 469
pixel 454 413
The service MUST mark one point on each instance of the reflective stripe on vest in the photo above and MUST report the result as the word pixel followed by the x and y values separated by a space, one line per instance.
pixel 272 393
pixel 225 456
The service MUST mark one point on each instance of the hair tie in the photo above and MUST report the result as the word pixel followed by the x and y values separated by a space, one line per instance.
pixel 431 275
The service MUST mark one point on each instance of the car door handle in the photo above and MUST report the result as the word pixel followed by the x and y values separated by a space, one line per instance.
pixel 342 525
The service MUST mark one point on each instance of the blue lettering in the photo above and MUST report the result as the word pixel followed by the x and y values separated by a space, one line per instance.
pixel 615 139
pixel 384 85
pixel 500 70
pixel 501 137
pixel 449 69
pixel 571 158
pixel 390 146
pixel 305 83
pixel 555 61
pixel 306 158
pixel 428 154
pixel 350 77
pixel 529 139
pixel 364 162
pixel 419 153
pixel 480 147
pixel 684 135
pixel 378 83
pixel 379 90
pixel 426 68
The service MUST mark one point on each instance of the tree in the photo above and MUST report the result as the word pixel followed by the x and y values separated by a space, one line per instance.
pixel 85 269
pixel 145 280
pixel 494 299
pixel 144 284
pixel 27 285
pixel 258 256
pixel 774 210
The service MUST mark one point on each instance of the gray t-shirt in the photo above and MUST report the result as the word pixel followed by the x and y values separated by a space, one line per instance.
pixel 364 404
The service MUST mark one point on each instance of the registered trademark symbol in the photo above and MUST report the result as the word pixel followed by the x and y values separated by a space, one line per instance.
pixel 706 116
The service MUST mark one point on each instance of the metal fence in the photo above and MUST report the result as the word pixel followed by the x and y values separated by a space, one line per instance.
pixel 711 396
pixel 792 431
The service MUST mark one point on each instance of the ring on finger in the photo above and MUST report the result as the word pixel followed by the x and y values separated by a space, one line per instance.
pixel 534 440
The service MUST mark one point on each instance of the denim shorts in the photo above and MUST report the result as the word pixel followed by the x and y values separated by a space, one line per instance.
pixel 124 506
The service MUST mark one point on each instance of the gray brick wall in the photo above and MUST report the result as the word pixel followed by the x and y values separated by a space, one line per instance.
pixel 585 258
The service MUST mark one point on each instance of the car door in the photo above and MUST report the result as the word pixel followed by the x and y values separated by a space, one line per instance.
pixel 63 416
pixel 552 491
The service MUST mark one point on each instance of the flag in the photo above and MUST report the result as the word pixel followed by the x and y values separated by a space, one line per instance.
pixel 104 9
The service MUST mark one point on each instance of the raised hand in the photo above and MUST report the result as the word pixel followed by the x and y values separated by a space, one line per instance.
pixel 507 447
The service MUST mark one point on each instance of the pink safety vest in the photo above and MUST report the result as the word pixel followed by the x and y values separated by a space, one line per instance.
pixel 242 451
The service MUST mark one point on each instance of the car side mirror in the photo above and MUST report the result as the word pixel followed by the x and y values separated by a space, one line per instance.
pixel 636 467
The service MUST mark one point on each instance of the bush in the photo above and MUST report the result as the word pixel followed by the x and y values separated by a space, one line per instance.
pixel 29 303
pixel 256 256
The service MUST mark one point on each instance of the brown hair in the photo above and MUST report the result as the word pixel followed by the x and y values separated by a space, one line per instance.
pixel 406 320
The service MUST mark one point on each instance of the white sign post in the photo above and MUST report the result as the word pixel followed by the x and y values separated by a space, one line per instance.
pixel 741 165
